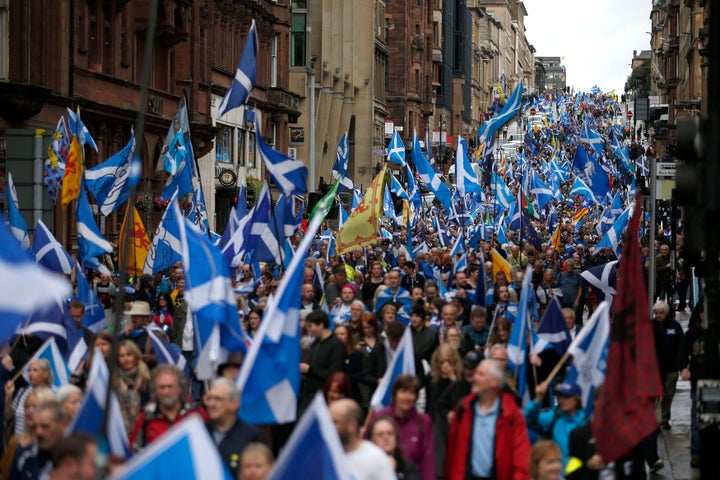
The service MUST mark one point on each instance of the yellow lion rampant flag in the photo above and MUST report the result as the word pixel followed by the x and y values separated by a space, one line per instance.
pixel 73 173
pixel 361 227
pixel 137 247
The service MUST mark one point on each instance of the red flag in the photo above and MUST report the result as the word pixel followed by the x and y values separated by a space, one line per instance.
pixel 625 413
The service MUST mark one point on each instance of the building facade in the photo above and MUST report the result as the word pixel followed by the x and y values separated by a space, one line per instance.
pixel 553 75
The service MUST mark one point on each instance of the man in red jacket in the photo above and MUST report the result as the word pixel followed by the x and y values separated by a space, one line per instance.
pixel 488 436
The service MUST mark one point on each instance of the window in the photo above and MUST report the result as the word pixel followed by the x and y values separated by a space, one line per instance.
pixel 273 61
pixel 223 145
pixel 298 40
pixel 251 151
pixel 241 147
pixel 4 40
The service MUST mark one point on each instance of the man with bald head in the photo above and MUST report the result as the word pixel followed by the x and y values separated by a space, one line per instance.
pixel 366 461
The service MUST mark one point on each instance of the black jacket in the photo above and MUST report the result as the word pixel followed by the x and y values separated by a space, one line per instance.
pixel 234 442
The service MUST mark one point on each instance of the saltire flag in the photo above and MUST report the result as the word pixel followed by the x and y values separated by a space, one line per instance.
pixel 245 76
pixel 388 206
pixel 180 123
pixel 197 213
pixel 241 205
pixel 361 228
pixel 503 194
pixel 91 413
pixel 272 238
pixel 595 177
pixel 580 188
pixel 49 252
pixel 466 179
pixel 402 362
pixel 289 175
pixel 166 248
pixel 81 132
pixel 443 234
pixel 589 350
pixel 397 188
pixel 18 227
pixel 269 377
pixel 611 239
pixel 357 197
pixel 592 138
pixel 55 321
pixel 136 248
pixel 94 317
pixel 210 299
pixel 168 353
pixel 603 279
pixel 552 332
pixel 625 413
pixel 509 110
pixel 108 183
pixel 559 171
pixel 60 143
pixel 91 243
pixel 58 367
pixel 185 452
pixel 499 263
pixel 72 178
pixel 396 150
pixel 339 170
pixel 642 164
pixel 314 448
pixel 429 177
pixel 606 220
pixel 178 163
pixel 518 341
pixel 542 192
pixel 249 230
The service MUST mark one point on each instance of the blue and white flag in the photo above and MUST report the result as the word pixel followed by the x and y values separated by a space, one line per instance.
pixel 168 353
pixel 612 238
pixel 49 252
pixel 249 230
pixel 339 169
pixel 509 110
pixel 270 377
pixel 429 177
pixel 642 164
pixel 603 279
pixel 197 214
pixel 413 190
pixel 542 192
pixel 18 227
pixel 180 123
pixel 210 299
pixel 91 243
pixel 78 128
pixel 357 198
pixel 108 183
pixel 552 332
pixel 559 171
pixel 396 150
pixel 606 221
pixel 403 362
pixel 49 351
pixel 166 248
pixel 397 188
pixel 579 188
pixel 289 175
pixel 91 412
pixel 594 176
pixel 245 76
pixel 179 164
pixel 185 452
pixel 503 194
pixel 314 448
pixel 94 317
pixel 592 138
pixel 466 179
pixel 270 247
pixel 518 341
pixel 589 352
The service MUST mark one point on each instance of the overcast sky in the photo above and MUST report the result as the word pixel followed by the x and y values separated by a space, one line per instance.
pixel 594 39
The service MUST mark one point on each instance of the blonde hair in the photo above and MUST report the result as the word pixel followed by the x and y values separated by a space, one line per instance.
pixel 448 352
pixel 134 350
pixel 260 449
pixel 45 365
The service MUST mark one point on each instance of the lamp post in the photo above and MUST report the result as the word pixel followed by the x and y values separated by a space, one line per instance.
pixel 313 59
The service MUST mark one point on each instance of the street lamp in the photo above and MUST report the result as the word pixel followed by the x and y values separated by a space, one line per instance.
pixel 313 60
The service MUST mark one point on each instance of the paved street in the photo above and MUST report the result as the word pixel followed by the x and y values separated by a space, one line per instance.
pixel 674 444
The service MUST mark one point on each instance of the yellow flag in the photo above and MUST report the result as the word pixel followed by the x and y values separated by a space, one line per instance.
pixel 556 239
pixel 500 264
pixel 73 173
pixel 360 229
pixel 501 92
pixel 137 247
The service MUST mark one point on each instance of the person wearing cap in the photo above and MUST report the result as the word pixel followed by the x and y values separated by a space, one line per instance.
pixel 559 421
pixel 140 317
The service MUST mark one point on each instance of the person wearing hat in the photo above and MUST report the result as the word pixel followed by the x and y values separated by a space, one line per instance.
pixel 140 317
pixel 559 421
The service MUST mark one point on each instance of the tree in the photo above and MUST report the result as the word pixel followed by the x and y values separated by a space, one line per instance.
pixel 639 79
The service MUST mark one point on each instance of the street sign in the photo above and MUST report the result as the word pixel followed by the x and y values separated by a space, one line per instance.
pixel 629 115
pixel 665 169
pixel 533 111
pixel 389 128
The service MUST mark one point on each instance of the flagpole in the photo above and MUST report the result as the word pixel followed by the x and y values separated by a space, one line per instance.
pixel 119 301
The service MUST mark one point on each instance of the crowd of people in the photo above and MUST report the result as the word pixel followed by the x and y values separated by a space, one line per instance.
pixel 459 416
